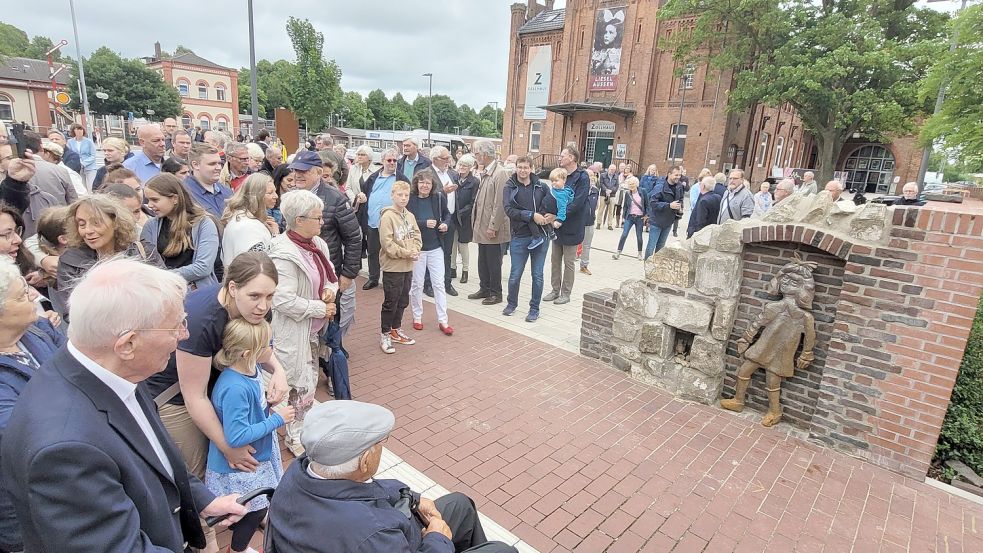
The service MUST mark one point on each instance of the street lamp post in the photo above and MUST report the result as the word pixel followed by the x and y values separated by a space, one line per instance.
pixel 927 152
pixel 253 92
pixel 429 105
pixel 78 52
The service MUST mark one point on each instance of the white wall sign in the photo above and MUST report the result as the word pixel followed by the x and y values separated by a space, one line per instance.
pixel 538 74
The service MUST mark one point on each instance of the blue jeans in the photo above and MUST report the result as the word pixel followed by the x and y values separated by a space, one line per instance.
pixel 519 253
pixel 657 239
pixel 631 221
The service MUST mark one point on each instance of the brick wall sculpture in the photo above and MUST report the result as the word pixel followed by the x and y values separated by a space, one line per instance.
pixel 897 290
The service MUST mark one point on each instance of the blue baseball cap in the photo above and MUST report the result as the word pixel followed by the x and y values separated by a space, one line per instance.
pixel 305 161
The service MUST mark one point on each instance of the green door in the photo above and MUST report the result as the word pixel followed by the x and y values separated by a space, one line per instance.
pixel 603 148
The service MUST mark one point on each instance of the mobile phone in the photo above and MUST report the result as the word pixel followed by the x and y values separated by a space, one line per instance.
pixel 16 138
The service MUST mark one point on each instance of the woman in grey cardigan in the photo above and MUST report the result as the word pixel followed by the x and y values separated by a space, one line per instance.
pixel 182 233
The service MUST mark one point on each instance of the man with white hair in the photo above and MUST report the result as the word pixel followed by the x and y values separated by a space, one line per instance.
pixel 446 181
pixel 835 188
pixel 784 189
pixel 413 161
pixel 704 212
pixel 808 186
pixel 71 159
pixel 490 224
pixel 146 163
pixel 909 195
pixel 86 460
pixel 323 142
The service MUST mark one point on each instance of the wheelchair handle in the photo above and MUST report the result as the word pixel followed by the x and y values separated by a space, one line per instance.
pixel 243 499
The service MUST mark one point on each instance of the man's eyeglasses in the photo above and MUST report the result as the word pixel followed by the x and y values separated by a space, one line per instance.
pixel 19 231
pixel 318 218
pixel 389 160
pixel 182 326
pixel 242 159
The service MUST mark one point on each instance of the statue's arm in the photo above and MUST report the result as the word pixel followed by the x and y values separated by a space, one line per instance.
pixel 807 356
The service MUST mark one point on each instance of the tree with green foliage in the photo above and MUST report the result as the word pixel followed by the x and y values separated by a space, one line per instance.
pixel 962 428
pixel 354 111
pixel 959 124
pixel 846 66
pixel 401 114
pixel 495 118
pixel 378 104
pixel 15 42
pixel 130 84
pixel 273 83
pixel 446 114
pixel 315 86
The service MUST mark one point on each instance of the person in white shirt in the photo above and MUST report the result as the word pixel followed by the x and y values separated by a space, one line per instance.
pixel 247 225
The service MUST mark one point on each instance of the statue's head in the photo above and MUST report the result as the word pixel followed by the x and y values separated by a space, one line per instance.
pixel 795 280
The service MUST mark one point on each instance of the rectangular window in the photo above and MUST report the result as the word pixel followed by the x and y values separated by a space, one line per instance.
pixel 203 92
pixel 638 32
pixel 6 111
pixel 580 43
pixel 686 80
pixel 115 122
pixel 221 125
pixel 762 149
pixel 186 121
pixel 677 142
pixel 791 153
pixel 220 94
pixel 182 89
pixel 535 131
pixel 205 124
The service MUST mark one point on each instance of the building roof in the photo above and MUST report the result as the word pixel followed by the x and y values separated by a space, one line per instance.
pixel 26 69
pixel 190 58
pixel 549 20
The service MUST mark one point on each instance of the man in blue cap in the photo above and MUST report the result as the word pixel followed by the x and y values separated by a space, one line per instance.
pixel 328 499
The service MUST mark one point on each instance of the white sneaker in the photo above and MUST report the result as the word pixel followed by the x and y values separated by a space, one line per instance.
pixel 387 343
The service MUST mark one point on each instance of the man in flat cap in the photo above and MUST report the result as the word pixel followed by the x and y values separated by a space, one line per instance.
pixel 329 501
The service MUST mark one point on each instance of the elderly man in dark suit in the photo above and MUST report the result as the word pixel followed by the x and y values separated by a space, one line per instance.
pixel 85 458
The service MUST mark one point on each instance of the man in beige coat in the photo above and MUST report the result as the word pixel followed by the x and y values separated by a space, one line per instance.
pixel 490 225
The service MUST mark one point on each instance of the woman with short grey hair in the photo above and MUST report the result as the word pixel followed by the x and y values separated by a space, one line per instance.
pixel 304 299
pixel 26 341
pixel 467 187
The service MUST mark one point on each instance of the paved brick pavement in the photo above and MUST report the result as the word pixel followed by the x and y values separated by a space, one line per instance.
pixel 571 455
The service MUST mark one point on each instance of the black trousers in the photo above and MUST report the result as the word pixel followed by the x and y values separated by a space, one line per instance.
pixel 490 268
pixel 374 246
pixel 396 290
pixel 459 513
pixel 448 244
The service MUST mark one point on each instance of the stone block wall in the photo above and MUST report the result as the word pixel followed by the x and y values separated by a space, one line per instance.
pixel 800 393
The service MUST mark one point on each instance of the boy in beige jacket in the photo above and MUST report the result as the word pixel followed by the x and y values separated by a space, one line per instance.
pixel 400 243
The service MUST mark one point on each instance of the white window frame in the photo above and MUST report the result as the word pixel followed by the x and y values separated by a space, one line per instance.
pixel 673 137
pixel 205 123
pixel 9 102
pixel 686 79
pixel 776 160
pixel 183 89
pixel 791 153
pixel 220 93
pixel 221 124
pixel 762 149
pixel 535 132
pixel 202 92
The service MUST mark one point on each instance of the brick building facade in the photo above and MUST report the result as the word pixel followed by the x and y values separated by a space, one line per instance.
pixel 209 92
pixel 25 93
pixel 610 87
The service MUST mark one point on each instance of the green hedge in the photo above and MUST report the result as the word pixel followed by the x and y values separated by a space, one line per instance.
pixel 962 430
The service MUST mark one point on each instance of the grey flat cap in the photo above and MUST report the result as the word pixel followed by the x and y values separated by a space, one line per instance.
pixel 338 431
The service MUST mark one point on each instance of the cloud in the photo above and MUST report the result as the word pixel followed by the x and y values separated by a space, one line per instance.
pixel 377 43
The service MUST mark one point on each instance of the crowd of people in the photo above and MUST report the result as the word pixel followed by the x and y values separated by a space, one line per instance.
pixel 195 289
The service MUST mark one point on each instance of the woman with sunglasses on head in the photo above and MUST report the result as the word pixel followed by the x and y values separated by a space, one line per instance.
pixel 182 233
pixel 376 195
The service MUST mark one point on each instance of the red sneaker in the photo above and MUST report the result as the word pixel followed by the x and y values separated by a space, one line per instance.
pixel 446 329
pixel 417 325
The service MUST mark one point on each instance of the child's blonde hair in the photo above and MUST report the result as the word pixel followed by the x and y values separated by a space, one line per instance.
pixel 400 185
pixel 558 174
pixel 241 336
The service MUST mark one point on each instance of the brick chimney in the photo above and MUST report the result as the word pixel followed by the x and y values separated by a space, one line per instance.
pixel 534 8
pixel 157 50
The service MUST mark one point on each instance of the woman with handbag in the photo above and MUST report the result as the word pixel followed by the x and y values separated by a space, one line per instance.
pixel 633 207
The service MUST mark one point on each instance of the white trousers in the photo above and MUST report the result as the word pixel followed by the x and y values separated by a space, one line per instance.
pixel 433 260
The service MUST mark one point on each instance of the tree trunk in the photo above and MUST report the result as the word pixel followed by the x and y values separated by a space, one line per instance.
pixel 828 145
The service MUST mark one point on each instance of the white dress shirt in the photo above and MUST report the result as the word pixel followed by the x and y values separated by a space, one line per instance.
pixel 126 391
pixel 445 179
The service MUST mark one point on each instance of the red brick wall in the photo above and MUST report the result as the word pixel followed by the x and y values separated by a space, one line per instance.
pixel 800 393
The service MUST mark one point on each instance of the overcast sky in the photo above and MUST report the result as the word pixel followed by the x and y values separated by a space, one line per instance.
pixel 377 43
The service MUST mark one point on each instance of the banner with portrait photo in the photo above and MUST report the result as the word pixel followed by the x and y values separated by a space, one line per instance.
pixel 605 59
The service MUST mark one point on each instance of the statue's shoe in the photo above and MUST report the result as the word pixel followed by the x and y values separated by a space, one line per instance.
pixel 732 405
pixel 771 419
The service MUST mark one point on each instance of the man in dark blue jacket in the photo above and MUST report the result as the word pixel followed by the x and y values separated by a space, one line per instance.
pixel 706 208
pixel 328 499
pixel 86 460
pixel 412 161
pixel 665 203
pixel 571 234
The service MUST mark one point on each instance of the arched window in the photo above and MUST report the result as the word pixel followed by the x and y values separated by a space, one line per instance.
pixel 535 131
pixel 183 87
pixel 870 168
pixel 220 92
pixel 791 154
pixel 205 121
pixel 762 149
pixel 202 90
pixel 6 108
pixel 186 120
pixel 677 141
pixel 779 147
pixel 222 123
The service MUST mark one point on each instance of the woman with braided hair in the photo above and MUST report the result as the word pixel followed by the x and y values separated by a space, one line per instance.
pixel 785 322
